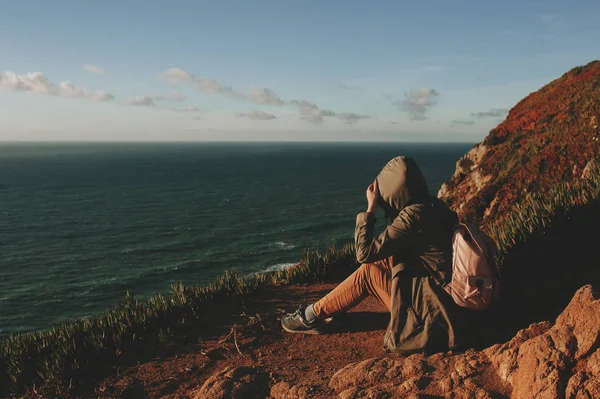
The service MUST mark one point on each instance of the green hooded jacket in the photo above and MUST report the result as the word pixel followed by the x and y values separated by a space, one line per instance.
pixel 424 318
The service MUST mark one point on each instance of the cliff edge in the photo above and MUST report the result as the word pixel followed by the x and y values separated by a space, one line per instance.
pixel 551 135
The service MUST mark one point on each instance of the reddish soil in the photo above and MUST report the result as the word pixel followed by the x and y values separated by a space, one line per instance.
pixel 294 358
pixel 548 137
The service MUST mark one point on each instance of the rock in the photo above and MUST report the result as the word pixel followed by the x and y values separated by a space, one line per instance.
pixel 593 364
pixel 284 390
pixel 235 383
pixel 583 316
pixel 368 371
pixel 470 392
pixel 536 363
pixel 504 356
pixel 540 371
pixel 381 378
pixel 413 366
pixel 586 384
pixel 582 386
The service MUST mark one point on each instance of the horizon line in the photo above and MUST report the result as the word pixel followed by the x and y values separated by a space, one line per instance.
pixel 227 142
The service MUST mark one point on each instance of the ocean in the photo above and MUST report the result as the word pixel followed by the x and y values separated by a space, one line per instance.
pixel 80 224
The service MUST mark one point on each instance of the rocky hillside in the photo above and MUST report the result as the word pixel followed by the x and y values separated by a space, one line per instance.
pixel 550 136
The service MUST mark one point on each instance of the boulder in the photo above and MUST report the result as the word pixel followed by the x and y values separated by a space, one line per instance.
pixel 235 383
pixel 283 390
pixel 543 361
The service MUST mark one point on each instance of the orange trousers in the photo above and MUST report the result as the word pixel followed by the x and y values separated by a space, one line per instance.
pixel 369 279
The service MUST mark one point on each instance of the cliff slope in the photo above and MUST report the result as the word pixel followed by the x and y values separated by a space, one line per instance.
pixel 548 137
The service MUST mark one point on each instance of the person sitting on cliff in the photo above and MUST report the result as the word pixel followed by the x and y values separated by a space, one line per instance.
pixel 394 265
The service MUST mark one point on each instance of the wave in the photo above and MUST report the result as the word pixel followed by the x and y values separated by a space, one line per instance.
pixel 282 245
pixel 278 267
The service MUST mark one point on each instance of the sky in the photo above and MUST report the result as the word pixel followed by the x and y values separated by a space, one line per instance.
pixel 253 70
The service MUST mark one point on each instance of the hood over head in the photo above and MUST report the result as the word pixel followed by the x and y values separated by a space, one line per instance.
pixel 400 184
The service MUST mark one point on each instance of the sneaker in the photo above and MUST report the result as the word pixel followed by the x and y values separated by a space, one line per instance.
pixel 296 323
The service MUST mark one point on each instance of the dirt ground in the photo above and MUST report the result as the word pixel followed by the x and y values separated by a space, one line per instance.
pixel 251 335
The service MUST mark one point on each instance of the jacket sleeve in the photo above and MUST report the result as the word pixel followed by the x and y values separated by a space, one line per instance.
pixel 394 240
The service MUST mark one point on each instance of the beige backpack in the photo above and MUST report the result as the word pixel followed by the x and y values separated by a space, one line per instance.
pixel 475 276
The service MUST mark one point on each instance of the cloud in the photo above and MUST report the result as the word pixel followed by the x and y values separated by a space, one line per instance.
pixel 93 69
pixel 351 118
pixel 462 122
pixel 174 97
pixel 262 95
pixel 258 95
pixel 68 89
pixel 37 82
pixel 492 113
pixel 416 103
pixel 34 82
pixel 150 101
pixel 176 75
pixel 189 109
pixel 257 115
pixel 142 101
pixel 311 112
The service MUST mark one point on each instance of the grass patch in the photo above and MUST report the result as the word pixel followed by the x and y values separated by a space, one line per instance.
pixel 540 211
pixel 70 355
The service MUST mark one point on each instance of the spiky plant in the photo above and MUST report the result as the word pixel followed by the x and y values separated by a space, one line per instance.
pixel 81 350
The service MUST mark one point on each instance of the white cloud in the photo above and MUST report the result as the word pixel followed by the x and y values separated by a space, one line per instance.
pixel 176 97
pixel 173 97
pixel 351 118
pixel 68 89
pixel 257 115
pixel 103 96
pixel 262 95
pixel 142 101
pixel 416 103
pixel 311 112
pixel 93 69
pixel 492 113
pixel 176 75
pixel 37 82
pixel 150 101
pixel 34 82
pixel 190 108
pixel 258 95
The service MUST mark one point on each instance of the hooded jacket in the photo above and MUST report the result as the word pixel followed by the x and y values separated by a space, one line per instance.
pixel 423 316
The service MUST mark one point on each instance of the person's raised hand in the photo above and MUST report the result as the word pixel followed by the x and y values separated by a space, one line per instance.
pixel 372 197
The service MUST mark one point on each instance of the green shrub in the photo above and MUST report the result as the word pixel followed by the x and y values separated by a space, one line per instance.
pixel 81 350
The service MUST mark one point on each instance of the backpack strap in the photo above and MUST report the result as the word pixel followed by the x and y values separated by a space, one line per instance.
pixel 437 277
pixel 473 241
